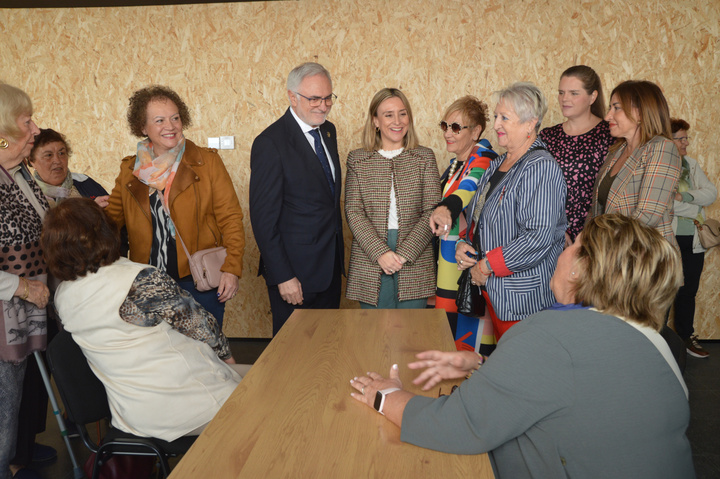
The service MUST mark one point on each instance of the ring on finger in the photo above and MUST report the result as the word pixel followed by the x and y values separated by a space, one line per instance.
pixel 461 262
pixel 362 391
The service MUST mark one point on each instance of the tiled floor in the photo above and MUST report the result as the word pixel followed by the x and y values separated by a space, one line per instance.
pixel 701 375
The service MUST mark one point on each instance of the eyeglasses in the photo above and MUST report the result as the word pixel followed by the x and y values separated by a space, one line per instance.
pixel 456 128
pixel 316 100
pixel 682 138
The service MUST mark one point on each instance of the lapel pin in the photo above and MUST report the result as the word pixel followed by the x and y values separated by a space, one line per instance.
pixel 328 134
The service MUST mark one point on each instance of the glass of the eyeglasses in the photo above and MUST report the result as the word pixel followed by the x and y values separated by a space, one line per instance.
pixel 682 138
pixel 455 127
pixel 316 100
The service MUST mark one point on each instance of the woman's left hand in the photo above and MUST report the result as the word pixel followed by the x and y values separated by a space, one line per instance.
pixel 229 285
pixel 477 276
pixel 372 383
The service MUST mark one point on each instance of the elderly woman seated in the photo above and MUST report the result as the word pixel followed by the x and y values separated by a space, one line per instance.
pixel 49 157
pixel 586 389
pixel 162 358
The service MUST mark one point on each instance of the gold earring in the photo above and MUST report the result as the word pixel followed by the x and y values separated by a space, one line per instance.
pixel 4 143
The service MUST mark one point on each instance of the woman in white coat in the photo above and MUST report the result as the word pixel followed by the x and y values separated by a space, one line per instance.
pixel 165 364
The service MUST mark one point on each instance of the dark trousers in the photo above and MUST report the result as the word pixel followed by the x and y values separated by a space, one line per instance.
pixel 692 264
pixel 328 299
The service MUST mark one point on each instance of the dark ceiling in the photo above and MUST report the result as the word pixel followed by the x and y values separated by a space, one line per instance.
pixel 98 3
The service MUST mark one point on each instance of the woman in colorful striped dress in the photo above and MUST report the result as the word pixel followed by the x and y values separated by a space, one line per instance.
pixel 463 124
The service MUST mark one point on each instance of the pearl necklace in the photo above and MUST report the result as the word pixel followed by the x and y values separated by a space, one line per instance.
pixel 452 169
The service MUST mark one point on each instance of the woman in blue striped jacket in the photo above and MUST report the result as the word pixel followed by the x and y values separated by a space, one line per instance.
pixel 518 216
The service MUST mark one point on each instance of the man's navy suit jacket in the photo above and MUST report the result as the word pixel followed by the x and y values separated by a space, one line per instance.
pixel 296 220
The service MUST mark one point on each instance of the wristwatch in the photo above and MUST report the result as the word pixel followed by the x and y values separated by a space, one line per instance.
pixel 380 398
pixel 487 265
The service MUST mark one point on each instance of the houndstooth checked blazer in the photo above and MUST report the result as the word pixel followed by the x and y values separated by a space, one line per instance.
pixel 367 203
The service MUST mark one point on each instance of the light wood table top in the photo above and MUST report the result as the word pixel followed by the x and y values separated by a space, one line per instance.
pixel 292 415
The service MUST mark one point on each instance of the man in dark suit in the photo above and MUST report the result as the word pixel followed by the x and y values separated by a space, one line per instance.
pixel 295 184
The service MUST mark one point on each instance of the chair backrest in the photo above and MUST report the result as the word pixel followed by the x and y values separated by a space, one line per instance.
pixel 81 391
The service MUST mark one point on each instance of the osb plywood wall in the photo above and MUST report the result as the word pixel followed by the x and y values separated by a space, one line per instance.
pixel 230 63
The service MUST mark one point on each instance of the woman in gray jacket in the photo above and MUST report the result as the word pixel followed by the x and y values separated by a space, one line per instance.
pixel 694 192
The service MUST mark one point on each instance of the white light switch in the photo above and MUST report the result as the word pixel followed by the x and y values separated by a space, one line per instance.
pixel 214 142
pixel 227 142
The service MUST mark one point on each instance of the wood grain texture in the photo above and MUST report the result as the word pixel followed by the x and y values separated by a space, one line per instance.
pixel 292 415
pixel 230 63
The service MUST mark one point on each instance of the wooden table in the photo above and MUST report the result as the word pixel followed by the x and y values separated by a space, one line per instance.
pixel 292 415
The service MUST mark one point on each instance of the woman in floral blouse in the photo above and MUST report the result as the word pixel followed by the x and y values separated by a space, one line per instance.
pixel 581 142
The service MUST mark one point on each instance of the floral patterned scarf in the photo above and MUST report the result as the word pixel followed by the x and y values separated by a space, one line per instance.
pixel 158 171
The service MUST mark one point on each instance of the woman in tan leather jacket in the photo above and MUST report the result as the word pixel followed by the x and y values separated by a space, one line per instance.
pixel 173 186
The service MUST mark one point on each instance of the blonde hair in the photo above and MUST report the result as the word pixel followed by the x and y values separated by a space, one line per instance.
pixel 651 104
pixel 371 139
pixel 13 103
pixel 628 270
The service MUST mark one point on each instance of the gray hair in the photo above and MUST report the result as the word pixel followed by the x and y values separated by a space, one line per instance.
pixel 527 100
pixel 300 72
pixel 13 103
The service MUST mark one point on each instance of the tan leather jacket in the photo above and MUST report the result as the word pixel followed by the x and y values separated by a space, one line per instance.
pixel 203 205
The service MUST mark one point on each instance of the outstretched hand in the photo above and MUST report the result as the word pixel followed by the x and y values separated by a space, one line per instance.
pixel 441 365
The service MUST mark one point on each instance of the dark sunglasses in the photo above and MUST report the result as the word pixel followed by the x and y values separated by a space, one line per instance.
pixel 456 128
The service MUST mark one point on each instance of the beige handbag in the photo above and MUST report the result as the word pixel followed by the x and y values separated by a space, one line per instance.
pixel 709 233
pixel 205 265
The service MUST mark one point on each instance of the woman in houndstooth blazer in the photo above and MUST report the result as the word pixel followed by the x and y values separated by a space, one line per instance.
pixel 391 189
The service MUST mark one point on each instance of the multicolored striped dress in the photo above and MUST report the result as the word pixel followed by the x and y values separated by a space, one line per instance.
pixel 458 191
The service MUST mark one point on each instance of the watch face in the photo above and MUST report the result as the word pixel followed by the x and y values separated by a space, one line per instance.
pixel 378 400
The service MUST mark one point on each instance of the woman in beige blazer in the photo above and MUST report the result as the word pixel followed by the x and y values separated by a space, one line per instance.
pixel 640 174
pixel 391 189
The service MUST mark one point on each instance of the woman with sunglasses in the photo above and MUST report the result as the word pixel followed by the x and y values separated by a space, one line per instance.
pixel 694 193
pixel 581 142
pixel 463 124
pixel 391 189
pixel 516 221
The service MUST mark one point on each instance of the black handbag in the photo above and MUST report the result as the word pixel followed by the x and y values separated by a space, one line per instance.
pixel 469 300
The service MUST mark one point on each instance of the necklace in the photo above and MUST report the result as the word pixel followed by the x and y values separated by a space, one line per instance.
pixel 452 169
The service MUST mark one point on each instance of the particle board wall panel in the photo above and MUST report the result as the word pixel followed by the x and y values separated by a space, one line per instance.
pixel 230 62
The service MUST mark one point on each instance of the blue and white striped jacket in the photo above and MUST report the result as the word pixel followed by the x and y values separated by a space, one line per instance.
pixel 521 231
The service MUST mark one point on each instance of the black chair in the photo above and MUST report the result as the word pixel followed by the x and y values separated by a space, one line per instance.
pixel 86 402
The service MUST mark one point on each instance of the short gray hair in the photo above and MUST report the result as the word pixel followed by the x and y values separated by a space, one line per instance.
pixel 300 72
pixel 527 100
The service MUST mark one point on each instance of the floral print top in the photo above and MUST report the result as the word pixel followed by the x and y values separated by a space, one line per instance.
pixel 580 158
